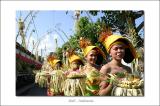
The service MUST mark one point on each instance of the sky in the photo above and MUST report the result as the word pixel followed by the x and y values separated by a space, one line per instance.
pixel 51 21
pixel 48 21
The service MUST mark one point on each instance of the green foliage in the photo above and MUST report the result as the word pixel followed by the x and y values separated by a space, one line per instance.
pixel 59 53
pixel 120 74
pixel 88 29
pixel 94 12
pixel 122 21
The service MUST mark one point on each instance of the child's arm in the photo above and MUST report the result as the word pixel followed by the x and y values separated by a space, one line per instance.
pixel 106 90
pixel 105 87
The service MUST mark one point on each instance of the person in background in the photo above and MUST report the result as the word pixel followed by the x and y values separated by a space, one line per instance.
pixel 56 65
pixel 75 62
pixel 74 77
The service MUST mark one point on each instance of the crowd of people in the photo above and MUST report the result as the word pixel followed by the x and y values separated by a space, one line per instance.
pixel 89 76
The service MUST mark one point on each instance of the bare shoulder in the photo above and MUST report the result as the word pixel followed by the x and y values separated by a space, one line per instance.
pixel 105 69
pixel 128 69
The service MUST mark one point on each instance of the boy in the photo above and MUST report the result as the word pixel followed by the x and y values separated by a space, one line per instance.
pixel 119 48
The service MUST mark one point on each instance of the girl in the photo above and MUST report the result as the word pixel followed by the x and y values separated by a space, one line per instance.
pixel 94 57
pixel 74 84
pixel 54 83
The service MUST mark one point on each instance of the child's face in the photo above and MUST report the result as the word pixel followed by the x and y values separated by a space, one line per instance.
pixel 117 52
pixel 75 65
pixel 91 57
pixel 57 65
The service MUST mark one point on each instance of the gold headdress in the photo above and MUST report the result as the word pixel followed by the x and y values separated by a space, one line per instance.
pixel 72 56
pixel 53 60
pixel 108 40
pixel 86 46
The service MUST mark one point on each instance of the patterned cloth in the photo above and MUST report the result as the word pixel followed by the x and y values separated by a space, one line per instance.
pixel 92 80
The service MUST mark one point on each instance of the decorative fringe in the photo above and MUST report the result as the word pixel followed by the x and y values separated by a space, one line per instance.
pixel 84 42
pixel 104 34
pixel 51 57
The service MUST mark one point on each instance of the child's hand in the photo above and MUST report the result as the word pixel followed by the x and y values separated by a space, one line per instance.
pixel 103 85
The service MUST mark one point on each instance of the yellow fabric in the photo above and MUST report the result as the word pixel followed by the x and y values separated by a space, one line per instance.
pixel 117 43
pixel 89 48
pixel 73 58
pixel 108 43
pixel 54 62
pixel 92 80
pixel 111 39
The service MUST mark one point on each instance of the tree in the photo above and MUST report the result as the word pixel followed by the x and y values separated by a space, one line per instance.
pixel 88 29
pixel 124 22
pixel 59 53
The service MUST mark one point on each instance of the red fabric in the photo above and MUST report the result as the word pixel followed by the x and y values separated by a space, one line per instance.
pixel 27 60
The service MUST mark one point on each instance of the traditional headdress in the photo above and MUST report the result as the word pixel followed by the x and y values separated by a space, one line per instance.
pixel 72 56
pixel 108 40
pixel 53 60
pixel 86 46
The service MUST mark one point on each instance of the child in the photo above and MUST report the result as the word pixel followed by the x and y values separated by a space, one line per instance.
pixel 74 84
pixel 94 57
pixel 119 48
pixel 74 61
pixel 54 82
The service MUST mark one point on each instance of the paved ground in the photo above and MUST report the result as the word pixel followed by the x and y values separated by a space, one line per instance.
pixel 32 90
